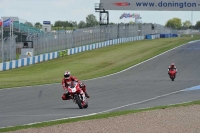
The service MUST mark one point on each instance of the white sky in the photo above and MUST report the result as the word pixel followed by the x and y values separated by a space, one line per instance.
pixel 77 10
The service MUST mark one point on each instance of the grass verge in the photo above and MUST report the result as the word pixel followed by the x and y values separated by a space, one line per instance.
pixel 97 116
pixel 90 64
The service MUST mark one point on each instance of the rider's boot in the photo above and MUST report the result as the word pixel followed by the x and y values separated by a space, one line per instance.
pixel 87 95
pixel 66 96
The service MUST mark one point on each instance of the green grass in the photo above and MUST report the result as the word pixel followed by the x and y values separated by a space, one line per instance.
pixel 91 64
pixel 17 56
pixel 98 116
pixel 189 35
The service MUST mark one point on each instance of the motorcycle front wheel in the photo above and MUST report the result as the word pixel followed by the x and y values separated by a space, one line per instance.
pixel 172 78
pixel 85 106
pixel 78 101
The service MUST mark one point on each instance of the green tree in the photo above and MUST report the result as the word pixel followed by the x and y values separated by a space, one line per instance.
pixel 91 21
pixel 131 22
pixel 187 23
pixel 81 24
pixel 197 25
pixel 63 23
pixel 74 24
pixel 38 25
pixel 174 23
pixel 111 23
pixel 29 24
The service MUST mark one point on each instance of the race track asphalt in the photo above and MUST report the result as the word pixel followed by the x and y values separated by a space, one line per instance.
pixel 136 86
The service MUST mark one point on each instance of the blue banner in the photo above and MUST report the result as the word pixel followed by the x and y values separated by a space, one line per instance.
pixel 6 22
pixel 46 22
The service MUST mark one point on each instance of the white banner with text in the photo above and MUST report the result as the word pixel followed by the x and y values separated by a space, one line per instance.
pixel 154 5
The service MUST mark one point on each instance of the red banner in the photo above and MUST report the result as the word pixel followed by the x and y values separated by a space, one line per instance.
pixel 0 23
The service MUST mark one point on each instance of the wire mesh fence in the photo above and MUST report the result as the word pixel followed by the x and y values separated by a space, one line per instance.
pixel 8 49
pixel 65 39
pixel 59 40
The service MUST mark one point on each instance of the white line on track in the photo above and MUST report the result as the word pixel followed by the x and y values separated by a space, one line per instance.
pixel 106 111
pixel 39 115
pixel 167 105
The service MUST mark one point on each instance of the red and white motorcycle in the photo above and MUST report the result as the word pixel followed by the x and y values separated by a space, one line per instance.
pixel 77 95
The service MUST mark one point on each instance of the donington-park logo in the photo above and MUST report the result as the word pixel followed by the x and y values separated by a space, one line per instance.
pixel 122 4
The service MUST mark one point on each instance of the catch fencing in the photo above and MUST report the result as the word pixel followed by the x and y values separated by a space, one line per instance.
pixel 8 49
pixel 62 39
pixel 189 31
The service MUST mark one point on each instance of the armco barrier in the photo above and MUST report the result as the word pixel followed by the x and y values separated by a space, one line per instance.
pixel 28 61
pixel 44 57
pixel 149 36
pixel 168 35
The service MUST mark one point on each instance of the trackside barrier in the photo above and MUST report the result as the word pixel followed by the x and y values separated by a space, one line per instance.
pixel 152 36
pixel 149 36
pixel 103 44
pixel 48 56
pixel 28 61
pixel 168 35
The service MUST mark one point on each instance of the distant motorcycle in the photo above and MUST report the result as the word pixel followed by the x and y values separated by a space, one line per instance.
pixel 77 95
pixel 172 74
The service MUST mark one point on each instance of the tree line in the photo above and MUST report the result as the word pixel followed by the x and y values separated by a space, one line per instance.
pixel 176 23
pixel 91 21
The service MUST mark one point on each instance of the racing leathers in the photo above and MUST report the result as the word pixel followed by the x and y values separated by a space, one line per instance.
pixel 66 82
pixel 172 67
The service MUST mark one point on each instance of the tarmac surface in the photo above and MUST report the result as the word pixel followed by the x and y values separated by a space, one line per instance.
pixel 144 85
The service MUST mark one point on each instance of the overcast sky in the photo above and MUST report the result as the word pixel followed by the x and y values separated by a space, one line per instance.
pixel 77 10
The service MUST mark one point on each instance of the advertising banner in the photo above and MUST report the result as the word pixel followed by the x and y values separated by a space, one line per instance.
pixel 46 22
pixel 154 5
pixel 130 15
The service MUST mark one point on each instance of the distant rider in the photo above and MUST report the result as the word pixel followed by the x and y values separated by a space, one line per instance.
pixel 67 81
pixel 172 67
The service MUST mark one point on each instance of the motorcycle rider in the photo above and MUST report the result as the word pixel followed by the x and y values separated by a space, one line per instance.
pixel 67 81
pixel 172 66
